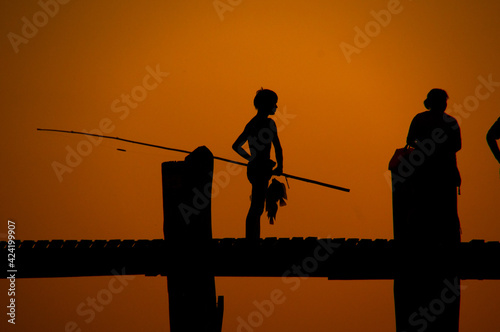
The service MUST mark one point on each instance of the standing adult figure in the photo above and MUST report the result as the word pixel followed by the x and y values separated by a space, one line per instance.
pixel 429 264
pixel 436 136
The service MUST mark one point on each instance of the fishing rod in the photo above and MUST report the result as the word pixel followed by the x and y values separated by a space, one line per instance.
pixel 188 152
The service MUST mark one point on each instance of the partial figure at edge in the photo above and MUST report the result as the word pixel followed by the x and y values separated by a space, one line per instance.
pixel 492 137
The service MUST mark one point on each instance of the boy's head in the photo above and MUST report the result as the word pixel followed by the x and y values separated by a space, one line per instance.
pixel 265 100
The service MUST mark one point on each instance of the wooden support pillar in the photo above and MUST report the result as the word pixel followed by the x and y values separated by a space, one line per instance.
pixel 403 290
pixel 425 268
pixel 187 187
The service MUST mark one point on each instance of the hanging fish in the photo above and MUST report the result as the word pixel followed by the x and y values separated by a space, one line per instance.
pixel 275 193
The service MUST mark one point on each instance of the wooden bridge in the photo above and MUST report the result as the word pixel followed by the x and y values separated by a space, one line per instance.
pixel 190 258
pixel 335 259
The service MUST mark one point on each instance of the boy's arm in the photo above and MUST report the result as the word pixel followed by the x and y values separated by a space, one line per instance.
pixel 238 145
pixel 278 151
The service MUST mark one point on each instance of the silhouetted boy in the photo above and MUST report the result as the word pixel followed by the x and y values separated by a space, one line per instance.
pixel 491 138
pixel 260 133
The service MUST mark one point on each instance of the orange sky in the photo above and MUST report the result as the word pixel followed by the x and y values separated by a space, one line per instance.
pixel 345 104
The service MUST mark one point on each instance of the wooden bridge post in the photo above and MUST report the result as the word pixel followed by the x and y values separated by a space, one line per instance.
pixel 423 273
pixel 187 187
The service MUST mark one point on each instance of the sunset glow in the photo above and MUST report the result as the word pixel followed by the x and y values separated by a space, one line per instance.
pixel 350 76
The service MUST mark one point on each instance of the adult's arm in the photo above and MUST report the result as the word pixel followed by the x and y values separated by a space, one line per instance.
pixel 492 137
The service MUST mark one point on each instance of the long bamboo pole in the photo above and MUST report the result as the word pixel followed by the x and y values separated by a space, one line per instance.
pixel 185 151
